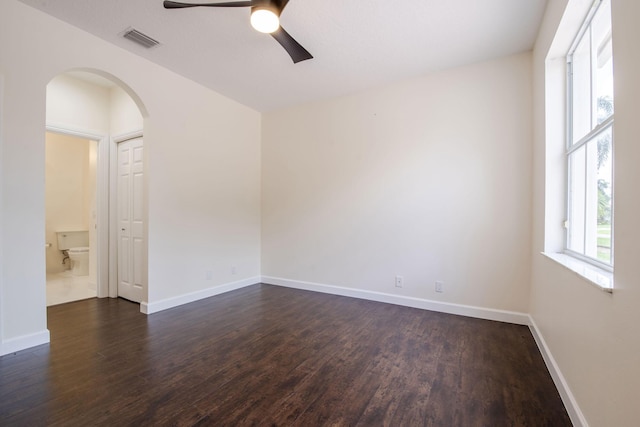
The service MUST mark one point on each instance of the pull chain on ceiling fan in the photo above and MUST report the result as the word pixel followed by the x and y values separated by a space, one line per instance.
pixel 265 17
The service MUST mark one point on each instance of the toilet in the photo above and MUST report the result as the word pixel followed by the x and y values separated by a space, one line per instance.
pixel 79 260
pixel 75 245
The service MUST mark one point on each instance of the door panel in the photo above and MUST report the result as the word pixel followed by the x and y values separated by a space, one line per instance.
pixel 130 220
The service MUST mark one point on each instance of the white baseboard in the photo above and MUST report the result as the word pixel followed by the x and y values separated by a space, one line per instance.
pixel 156 306
pixel 26 341
pixel 576 415
pixel 443 307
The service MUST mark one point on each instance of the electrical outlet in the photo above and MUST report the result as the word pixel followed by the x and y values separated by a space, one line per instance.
pixel 399 280
pixel 208 275
pixel 439 286
pixel 234 270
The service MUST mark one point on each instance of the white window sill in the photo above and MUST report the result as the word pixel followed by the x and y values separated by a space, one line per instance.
pixel 596 276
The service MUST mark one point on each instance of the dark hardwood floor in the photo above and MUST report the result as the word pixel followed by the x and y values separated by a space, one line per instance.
pixel 267 356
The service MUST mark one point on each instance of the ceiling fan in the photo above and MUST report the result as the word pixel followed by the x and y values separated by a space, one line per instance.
pixel 265 17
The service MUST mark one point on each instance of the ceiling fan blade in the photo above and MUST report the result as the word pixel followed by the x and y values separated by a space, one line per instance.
pixel 177 5
pixel 293 48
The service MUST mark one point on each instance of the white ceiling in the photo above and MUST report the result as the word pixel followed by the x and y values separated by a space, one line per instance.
pixel 356 44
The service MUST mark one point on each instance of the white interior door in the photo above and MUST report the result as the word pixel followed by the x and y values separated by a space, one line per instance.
pixel 130 220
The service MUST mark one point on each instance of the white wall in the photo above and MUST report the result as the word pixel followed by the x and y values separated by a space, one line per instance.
pixel 124 114
pixel 78 105
pixel 593 336
pixel 1 204
pixel 428 179
pixel 203 170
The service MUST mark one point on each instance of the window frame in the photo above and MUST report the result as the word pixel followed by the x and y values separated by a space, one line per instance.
pixel 572 147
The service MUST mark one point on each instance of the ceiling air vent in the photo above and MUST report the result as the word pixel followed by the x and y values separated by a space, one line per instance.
pixel 140 38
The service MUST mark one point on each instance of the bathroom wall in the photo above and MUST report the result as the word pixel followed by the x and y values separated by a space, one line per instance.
pixel 70 191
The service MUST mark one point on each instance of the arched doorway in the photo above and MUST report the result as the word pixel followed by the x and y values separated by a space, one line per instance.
pixel 102 110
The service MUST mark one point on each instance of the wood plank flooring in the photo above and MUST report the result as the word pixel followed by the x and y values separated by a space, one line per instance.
pixel 271 356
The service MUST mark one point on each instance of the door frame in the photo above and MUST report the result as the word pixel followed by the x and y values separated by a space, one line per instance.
pixel 113 211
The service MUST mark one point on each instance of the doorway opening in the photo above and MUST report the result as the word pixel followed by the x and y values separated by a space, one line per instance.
pixel 94 114
pixel 70 217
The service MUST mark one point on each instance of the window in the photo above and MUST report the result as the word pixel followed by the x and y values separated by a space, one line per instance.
pixel 589 226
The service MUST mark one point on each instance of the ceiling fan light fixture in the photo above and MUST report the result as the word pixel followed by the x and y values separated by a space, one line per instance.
pixel 264 19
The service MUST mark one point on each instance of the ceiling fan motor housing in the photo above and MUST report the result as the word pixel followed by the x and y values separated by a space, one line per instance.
pixel 274 6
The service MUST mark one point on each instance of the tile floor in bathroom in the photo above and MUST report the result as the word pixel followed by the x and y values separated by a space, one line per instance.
pixel 64 287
